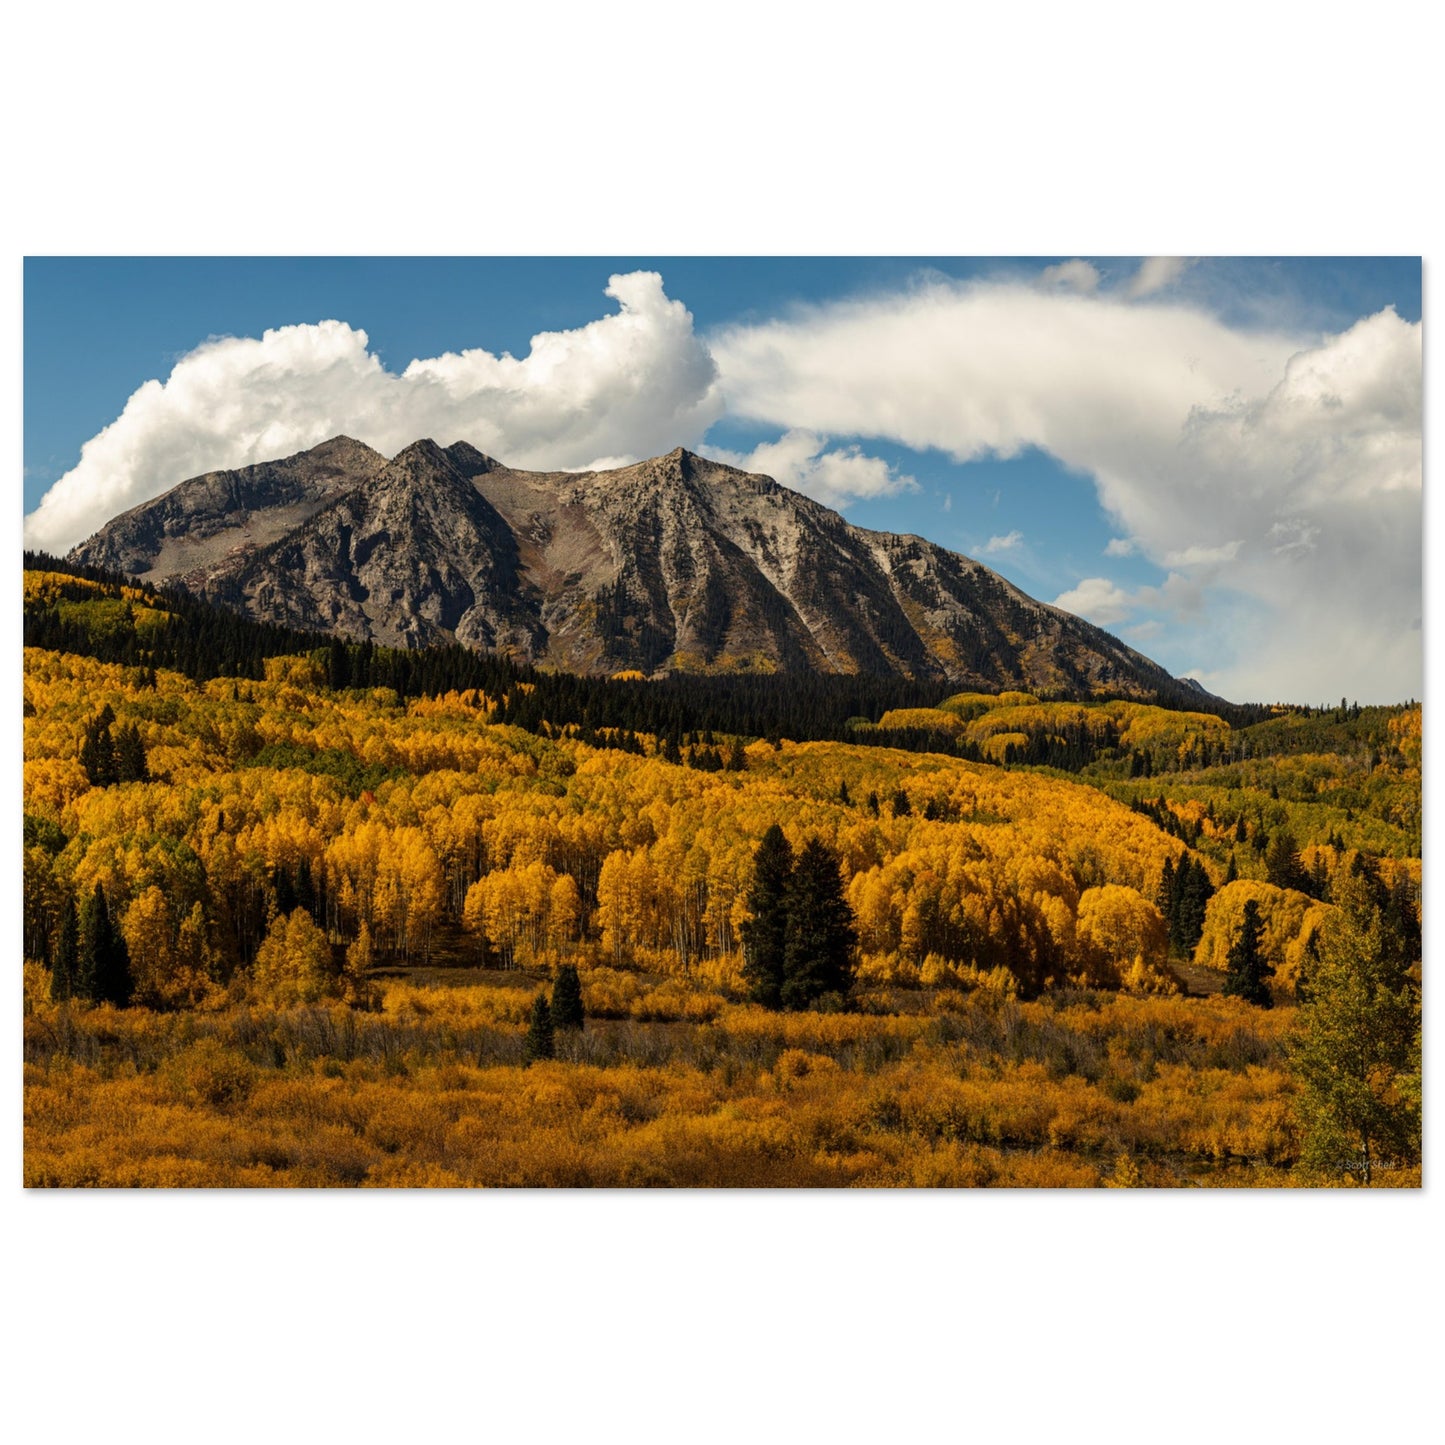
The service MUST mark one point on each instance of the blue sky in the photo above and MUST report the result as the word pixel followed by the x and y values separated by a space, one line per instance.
pixel 1193 455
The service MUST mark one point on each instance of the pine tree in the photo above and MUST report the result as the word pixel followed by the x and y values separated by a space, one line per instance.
pixel 338 664
pixel 764 935
pixel 541 1039
pixel 1249 970
pixel 66 961
pixel 567 1009
pixel 104 969
pixel 1195 890
pixel 1232 872
pixel 820 939
pixel 901 806
pixel 1282 861
pixel 1164 898
pixel 130 756
pixel 97 752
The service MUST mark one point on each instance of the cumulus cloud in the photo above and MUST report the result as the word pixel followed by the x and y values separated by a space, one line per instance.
pixel 1009 542
pixel 1098 599
pixel 1120 547
pixel 1155 273
pixel 1278 468
pixel 801 460
pixel 635 383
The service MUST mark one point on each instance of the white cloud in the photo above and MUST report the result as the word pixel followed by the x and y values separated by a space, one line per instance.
pixel 1141 632
pixel 1098 599
pixel 1292 538
pixel 1071 276
pixel 1179 595
pixel 1203 556
pixel 632 384
pixel 1279 467
pixel 1009 542
pixel 1155 273
pixel 1120 547
pixel 799 459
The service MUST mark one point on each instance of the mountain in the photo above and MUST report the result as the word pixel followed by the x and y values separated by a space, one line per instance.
pixel 672 564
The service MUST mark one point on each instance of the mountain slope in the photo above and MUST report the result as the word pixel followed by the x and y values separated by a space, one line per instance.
pixel 672 564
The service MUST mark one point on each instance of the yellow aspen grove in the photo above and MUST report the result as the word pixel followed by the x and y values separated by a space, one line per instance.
pixel 1120 931
pixel 293 965
pixel 150 938
pixel 1283 912
pixel 564 913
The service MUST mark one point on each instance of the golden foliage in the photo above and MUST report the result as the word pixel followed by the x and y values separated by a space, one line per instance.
pixel 430 1092
pixel 1289 919
pixel 1121 932
pixel 293 965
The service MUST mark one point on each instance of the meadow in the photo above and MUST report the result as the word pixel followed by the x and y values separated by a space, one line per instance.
pixel 669 1083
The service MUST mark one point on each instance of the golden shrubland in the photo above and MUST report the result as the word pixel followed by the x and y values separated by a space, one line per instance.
pixel 972 1089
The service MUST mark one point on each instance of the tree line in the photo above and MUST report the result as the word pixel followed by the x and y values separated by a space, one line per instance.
pixel 203 640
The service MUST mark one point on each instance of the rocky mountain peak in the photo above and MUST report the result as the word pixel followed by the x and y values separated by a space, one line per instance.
pixel 673 563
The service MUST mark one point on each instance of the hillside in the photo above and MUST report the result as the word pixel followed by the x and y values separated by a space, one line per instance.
pixel 339 902
pixel 676 564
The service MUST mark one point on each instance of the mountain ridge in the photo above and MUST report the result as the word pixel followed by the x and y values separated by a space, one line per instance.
pixel 676 563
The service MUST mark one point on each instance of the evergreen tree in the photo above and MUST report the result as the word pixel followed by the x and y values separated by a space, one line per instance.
pixel 1249 970
pixel 338 664
pixel 1183 897
pixel 66 962
pixel 567 1009
pixel 1282 862
pixel 1164 899
pixel 737 758
pixel 130 756
pixel 1232 872
pixel 901 806
pixel 843 797
pixel 541 1040
pixel 1358 1056
pixel 820 939
pixel 1195 890
pixel 97 752
pixel 764 935
pixel 1401 923
pixel 104 967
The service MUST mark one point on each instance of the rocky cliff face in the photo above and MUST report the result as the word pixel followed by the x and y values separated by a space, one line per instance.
pixel 676 563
